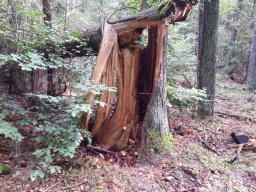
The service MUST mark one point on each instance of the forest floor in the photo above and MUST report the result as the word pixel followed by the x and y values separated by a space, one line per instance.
pixel 200 160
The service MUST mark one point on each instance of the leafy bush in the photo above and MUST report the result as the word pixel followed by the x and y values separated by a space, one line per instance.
pixel 6 109
pixel 183 97
pixel 58 124
pixel 9 131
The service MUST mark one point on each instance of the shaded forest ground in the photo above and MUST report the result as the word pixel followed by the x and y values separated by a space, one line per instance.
pixel 198 162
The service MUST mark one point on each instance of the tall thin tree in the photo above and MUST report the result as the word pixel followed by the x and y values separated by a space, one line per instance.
pixel 251 76
pixel 207 47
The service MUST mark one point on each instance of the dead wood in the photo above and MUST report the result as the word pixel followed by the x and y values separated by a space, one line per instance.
pixel 208 147
pixel 134 69
pixel 177 9
pixel 76 185
pixel 238 117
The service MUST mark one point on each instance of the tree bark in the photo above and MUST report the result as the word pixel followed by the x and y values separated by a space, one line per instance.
pixel 156 116
pixel 251 76
pixel 207 41
pixel 18 80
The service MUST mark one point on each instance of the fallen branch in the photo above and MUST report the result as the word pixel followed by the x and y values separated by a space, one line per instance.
pixel 72 186
pixel 93 148
pixel 208 147
pixel 239 117
pixel 47 189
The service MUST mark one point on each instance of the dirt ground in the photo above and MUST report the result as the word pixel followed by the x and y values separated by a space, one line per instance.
pixel 200 160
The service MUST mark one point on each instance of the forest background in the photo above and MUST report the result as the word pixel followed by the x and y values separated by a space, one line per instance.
pixel 53 110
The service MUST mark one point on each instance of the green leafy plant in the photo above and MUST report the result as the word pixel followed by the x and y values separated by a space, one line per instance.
pixel 183 97
pixel 6 108
pixel 61 133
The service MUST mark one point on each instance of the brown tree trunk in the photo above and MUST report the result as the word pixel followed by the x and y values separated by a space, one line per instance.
pixel 28 81
pixel 21 81
pixel 54 82
pixel 207 46
pixel 156 115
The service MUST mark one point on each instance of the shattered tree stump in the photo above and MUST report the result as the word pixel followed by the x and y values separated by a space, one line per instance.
pixel 136 70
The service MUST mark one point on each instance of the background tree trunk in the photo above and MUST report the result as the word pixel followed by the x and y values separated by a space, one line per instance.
pixel 251 76
pixel 18 80
pixel 207 45
pixel 54 84
pixel 233 31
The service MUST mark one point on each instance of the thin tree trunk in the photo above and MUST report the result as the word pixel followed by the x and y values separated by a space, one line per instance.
pixel 246 66
pixel 48 23
pixel 207 41
pixel 236 16
pixel 55 83
pixel 251 76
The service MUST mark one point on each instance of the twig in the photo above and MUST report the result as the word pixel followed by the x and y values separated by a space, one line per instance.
pixel 76 185
pixel 99 149
pixel 47 189
pixel 93 148
pixel 206 146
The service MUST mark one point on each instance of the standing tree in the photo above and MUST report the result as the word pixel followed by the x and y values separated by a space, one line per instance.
pixel 207 46
pixel 233 31
pixel 251 76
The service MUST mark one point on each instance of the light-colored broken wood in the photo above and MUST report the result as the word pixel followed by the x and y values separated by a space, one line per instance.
pixel 133 69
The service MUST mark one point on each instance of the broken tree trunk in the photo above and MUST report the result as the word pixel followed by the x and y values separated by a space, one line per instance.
pixel 138 72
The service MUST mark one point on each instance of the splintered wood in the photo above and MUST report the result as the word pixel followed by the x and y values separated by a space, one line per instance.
pixel 121 65
pixel 133 69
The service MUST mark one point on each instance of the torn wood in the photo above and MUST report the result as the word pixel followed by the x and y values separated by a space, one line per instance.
pixel 134 69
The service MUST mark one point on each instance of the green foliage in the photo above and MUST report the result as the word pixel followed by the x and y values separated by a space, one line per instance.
pixel 182 57
pixel 157 145
pixel 61 132
pixel 137 3
pixel 4 169
pixel 183 97
pixel 7 107
pixel 9 131
pixel 233 55
pixel 37 173
pixel 227 6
